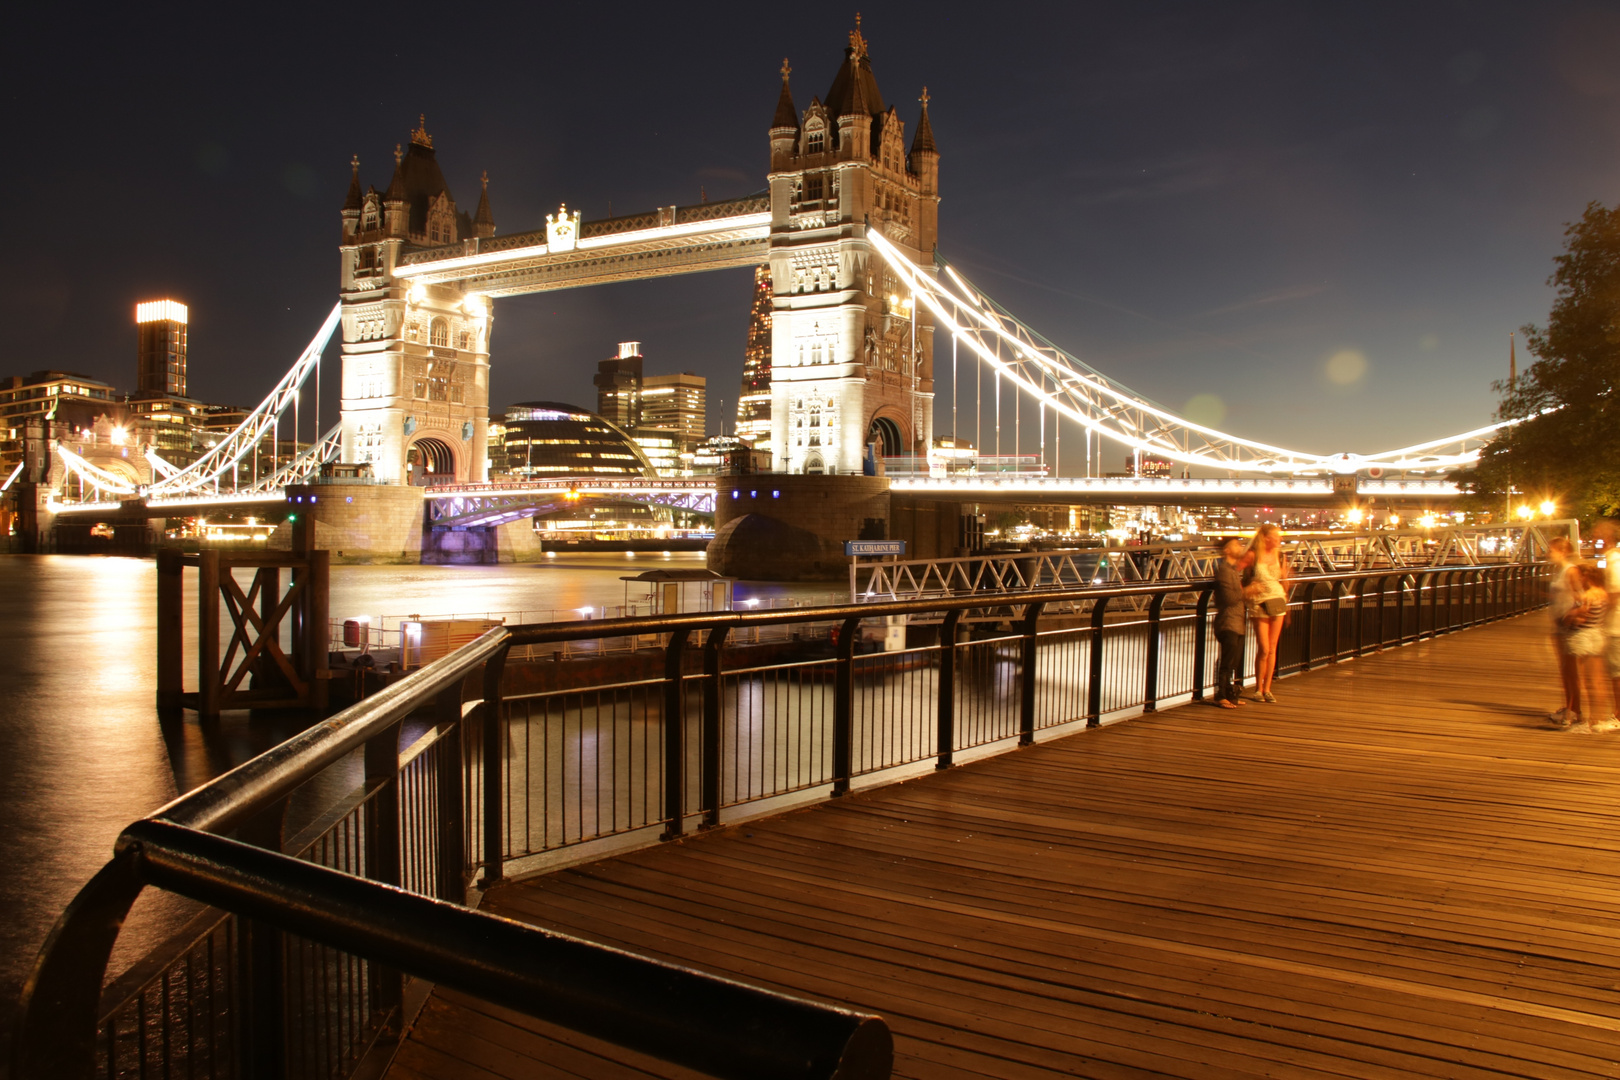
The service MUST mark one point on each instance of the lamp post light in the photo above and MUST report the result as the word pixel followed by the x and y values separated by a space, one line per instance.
pixel 1548 508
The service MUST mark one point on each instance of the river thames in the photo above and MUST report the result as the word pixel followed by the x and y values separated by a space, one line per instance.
pixel 82 753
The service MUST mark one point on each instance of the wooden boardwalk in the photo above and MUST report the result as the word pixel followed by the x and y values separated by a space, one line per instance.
pixel 1399 870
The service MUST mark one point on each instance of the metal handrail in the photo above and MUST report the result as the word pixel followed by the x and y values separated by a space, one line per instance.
pixel 633 1000
pixel 228 800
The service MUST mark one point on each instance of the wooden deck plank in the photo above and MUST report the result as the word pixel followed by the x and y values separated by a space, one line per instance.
pixel 1397 871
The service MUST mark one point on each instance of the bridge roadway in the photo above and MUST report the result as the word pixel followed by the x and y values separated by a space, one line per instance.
pixel 1397 871
pixel 486 505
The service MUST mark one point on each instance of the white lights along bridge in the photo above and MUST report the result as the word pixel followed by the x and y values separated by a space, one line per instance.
pixel 1046 376
pixel 1039 375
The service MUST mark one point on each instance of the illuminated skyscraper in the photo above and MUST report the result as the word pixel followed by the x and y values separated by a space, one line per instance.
pixel 160 335
pixel 677 403
pixel 754 400
pixel 618 386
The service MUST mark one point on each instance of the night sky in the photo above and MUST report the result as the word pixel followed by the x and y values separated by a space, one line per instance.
pixel 1317 225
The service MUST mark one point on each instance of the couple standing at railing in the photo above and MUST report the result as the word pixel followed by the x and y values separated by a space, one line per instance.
pixel 1250 585
pixel 1582 600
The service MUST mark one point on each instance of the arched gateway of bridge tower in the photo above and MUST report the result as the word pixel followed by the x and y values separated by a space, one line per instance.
pixel 851 360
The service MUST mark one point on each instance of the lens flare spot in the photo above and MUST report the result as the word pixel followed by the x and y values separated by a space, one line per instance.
pixel 1346 367
pixel 1206 409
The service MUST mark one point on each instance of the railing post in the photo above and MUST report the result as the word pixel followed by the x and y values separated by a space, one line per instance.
pixel 494 770
pixel 1336 594
pixel 1026 675
pixel 382 838
pixel 710 787
pixel 674 735
pixel 170 634
pixel 261 975
pixel 1201 643
pixel 1433 584
pixel 1400 609
pixel 1095 666
pixel 945 726
pixel 1361 593
pixel 210 687
pixel 451 874
pixel 1307 626
pixel 1383 589
pixel 1150 678
pixel 844 706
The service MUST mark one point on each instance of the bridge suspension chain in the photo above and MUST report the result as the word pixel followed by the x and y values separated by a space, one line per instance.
pixel 1057 380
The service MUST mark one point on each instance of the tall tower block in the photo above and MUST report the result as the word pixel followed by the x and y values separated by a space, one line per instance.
pixel 851 361
pixel 160 348
pixel 415 357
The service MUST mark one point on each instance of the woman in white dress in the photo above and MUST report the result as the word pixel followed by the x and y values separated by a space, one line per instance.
pixel 1267 591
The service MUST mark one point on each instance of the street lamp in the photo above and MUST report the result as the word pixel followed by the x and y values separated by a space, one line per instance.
pixel 1547 507
pixel 1525 513
pixel 1353 515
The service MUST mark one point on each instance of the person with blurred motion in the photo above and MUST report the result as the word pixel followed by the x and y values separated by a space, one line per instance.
pixel 1230 625
pixel 1561 591
pixel 1607 534
pixel 1586 628
pixel 1267 574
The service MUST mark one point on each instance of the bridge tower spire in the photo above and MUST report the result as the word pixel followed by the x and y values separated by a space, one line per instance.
pixel 851 357
pixel 415 357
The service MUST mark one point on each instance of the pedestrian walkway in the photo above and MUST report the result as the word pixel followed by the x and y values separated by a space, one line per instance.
pixel 1398 870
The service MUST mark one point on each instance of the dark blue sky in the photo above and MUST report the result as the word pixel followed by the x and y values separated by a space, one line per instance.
pixel 1328 219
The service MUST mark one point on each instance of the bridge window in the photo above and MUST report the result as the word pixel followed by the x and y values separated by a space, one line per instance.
pixel 439 332
pixel 815 141
pixel 464 338
pixel 812 189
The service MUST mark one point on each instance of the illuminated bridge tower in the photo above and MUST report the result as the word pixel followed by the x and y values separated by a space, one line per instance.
pixel 415 357
pixel 849 365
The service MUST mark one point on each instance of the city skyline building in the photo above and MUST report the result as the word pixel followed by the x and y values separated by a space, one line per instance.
pixel 618 384
pixel 160 347
pixel 754 396
pixel 678 404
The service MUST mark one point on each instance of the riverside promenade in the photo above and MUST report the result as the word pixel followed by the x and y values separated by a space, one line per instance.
pixel 1399 870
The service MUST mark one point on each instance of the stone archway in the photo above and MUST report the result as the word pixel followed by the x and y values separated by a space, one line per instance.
pixel 885 431
pixel 814 465
pixel 430 461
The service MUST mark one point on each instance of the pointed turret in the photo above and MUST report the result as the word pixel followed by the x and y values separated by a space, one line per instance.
pixel 923 141
pixel 395 213
pixel 786 115
pixel 924 158
pixel 784 125
pixel 854 101
pixel 484 220
pixel 353 201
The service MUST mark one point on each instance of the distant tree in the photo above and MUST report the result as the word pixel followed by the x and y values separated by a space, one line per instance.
pixel 1571 455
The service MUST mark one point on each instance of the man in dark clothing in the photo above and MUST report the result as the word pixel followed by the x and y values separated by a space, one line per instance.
pixel 1230 627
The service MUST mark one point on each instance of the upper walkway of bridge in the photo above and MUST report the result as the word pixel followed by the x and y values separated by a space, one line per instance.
pixel 1398 870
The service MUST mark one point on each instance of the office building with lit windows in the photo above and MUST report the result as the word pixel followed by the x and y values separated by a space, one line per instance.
pixel 618 386
pixel 675 403
pixel 160 334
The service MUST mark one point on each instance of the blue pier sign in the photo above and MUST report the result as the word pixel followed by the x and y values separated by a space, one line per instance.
pixel 853 548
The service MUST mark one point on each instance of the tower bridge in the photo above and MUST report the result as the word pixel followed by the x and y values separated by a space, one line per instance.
pixel 847 223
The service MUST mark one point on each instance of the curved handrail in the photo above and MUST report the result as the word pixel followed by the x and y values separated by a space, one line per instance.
pixel 727 1028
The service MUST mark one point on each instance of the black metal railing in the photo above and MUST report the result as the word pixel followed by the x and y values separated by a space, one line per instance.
pixel 319 944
